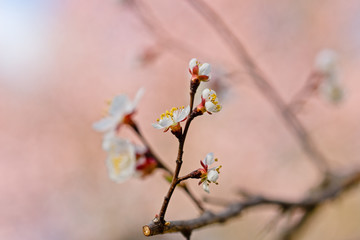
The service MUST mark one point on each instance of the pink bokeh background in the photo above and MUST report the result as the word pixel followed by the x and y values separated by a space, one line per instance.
pixel 60 61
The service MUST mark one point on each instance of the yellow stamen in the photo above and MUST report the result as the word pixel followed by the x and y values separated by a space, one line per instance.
pixel 170 114
pixel 116 163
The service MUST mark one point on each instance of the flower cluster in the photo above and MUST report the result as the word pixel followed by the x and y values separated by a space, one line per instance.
pixel 124 159
pixel 209 103
pixel 209 175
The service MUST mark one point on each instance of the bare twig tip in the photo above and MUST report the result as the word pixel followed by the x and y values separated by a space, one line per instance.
pixel 146 230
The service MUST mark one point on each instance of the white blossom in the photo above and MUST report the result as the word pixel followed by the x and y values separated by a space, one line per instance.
pixel 121 108
pixel 172 119
pixel 121 159
pixel 209 175
pixel 199 71
pixel 211 102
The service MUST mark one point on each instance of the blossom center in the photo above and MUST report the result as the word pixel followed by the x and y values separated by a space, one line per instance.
pixel 118 162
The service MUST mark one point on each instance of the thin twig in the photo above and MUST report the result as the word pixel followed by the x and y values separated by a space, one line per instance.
pixel 303 95
pixel 178 160
pixel 261 82
pixel 162 165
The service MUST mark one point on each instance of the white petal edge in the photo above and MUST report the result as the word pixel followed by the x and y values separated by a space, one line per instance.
pixel 206 93
pixel 108 140
pixel 206 187
pixel 192 64
pixel 209 159
pixel 182 114
pixel 163 123
pixel 213 176
pixel 138 96
pixel 118 104
pixel 166 122
pixel 157 126
pixel 205 69
pixel 212 107
pixel 105 124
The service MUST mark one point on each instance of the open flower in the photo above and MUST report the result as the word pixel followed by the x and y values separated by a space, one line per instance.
pixel 326 65
pixel 120 111
pixel 126 159
pixel 199 72
pixel 209 102
pixel 121 159
pixel 171 120
pixel 209 175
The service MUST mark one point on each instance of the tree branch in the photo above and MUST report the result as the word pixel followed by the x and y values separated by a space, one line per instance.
pixel 179 161
pixel 333 189
pixel 162 165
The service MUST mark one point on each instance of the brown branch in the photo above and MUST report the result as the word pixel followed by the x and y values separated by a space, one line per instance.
pixel 194 174
pixel 179 161
pixel 293 123
pixel 302 96
pixel 334 188
pixel 162 165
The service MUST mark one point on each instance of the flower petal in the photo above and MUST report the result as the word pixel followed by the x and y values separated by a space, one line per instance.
pixel 118 104
pixel 157 125
pixel 205 69
pixel 209 159
pixel 138 97
pixel 121 160
pixel 206 93
pixel 212 107
pixel 192 64
pixel 108 140
pixel 163 123
pixel 105 124
pixel 166 122
pixel 213 175
pixel 206 187
pixel 181 114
